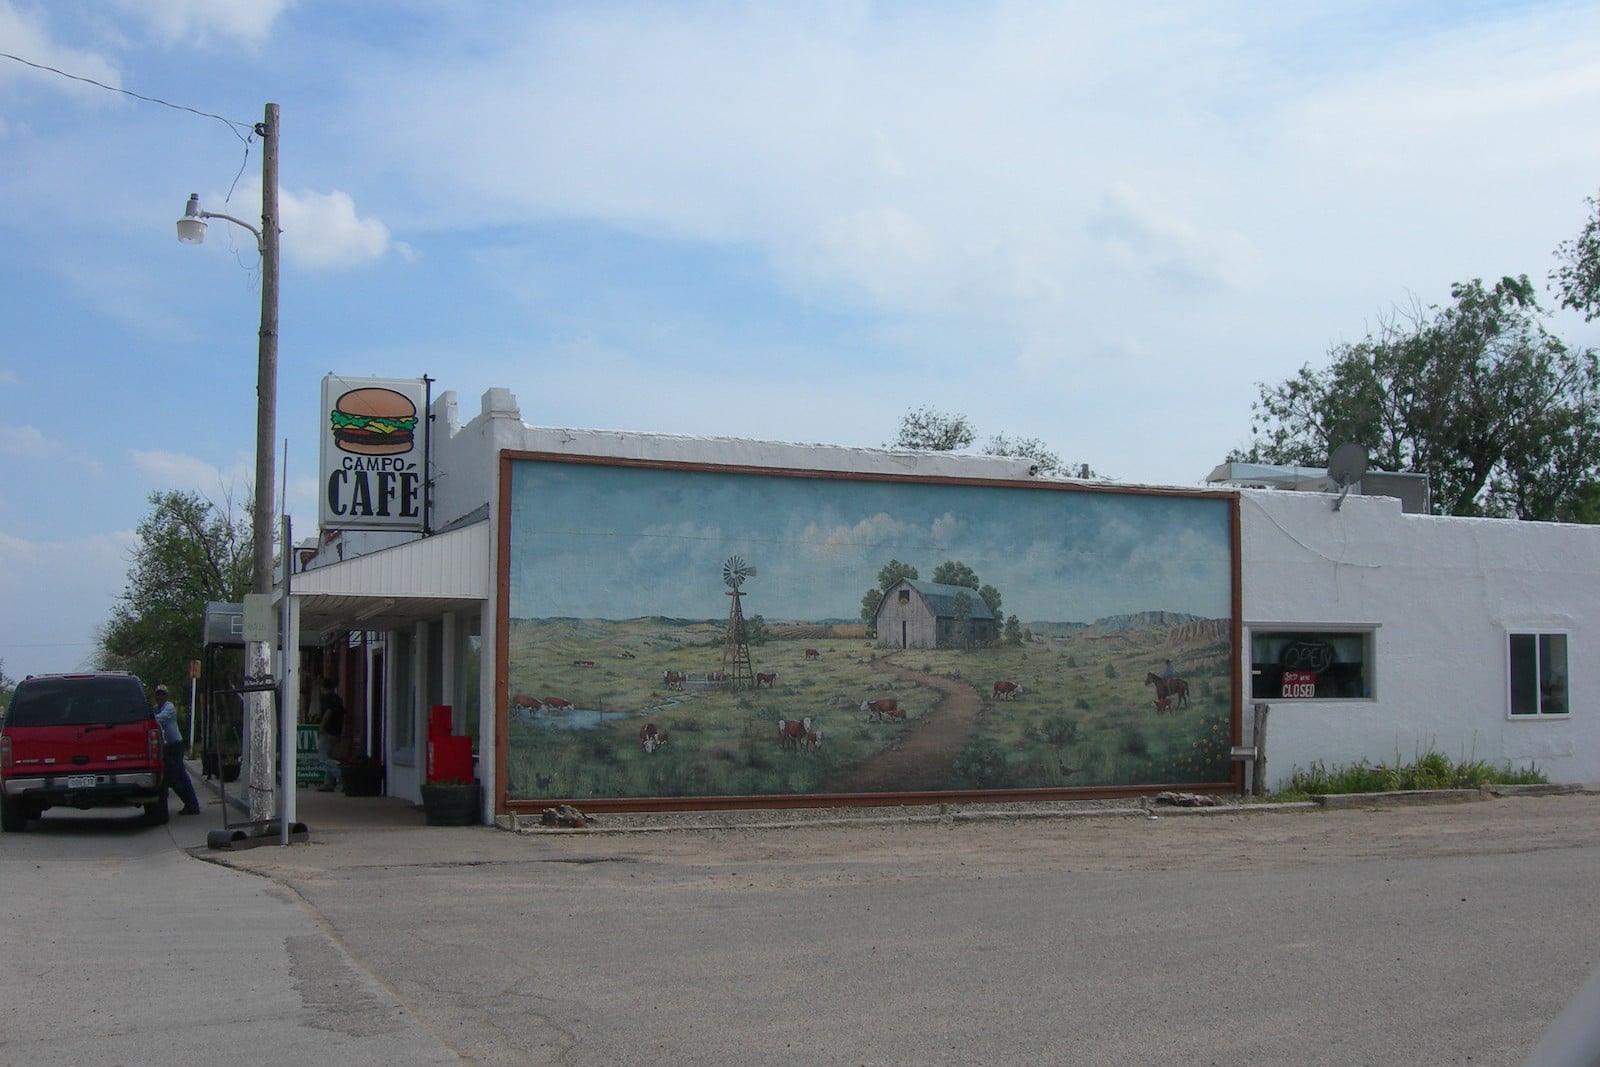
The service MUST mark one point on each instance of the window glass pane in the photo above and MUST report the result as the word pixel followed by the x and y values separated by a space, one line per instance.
pixel 1310 664
pixel 469 657
pixel 402 709
pixel 1524 674
pixel 1553 674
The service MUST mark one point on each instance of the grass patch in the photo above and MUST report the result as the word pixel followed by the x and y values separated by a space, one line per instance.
pixel 1430 770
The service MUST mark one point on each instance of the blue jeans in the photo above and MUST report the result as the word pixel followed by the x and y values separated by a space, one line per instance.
pixel 330 766
pixel 178 775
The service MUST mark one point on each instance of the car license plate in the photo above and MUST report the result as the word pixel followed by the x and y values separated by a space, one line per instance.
pixel 80 781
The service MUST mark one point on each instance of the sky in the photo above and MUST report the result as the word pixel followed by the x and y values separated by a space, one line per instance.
pixel 1096 225
pixel 590 541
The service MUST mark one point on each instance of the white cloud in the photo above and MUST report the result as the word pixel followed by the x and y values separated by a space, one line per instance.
pixel 173 470
pixel 322 230
pixel 24 441
pixel 69 587
pixel 174 21
pixel 24 34
pixel 319 231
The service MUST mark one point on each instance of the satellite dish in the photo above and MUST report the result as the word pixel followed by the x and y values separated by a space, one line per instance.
pixel 1347 464
pixel 1345 467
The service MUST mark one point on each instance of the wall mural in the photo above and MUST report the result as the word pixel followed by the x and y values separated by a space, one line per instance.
pixel 687 632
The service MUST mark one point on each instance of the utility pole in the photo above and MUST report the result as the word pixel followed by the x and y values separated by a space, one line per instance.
pixel 258 654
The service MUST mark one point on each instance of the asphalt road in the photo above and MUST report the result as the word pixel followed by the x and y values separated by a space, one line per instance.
pixel 1429 935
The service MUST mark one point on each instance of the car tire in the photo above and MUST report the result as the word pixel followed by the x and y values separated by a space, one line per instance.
pixel 13 816
pixel 155 812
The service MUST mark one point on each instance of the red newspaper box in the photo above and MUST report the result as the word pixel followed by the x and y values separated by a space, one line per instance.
pixel 439 720
pixel 449 758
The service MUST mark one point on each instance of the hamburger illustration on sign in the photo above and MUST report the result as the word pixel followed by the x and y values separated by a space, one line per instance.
pixel 374 445
pixel 374 422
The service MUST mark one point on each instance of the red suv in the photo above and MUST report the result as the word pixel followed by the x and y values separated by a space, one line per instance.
pixel 79 741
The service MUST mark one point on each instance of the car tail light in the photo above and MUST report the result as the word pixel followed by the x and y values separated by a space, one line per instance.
pixel 5 752
pixel 155 744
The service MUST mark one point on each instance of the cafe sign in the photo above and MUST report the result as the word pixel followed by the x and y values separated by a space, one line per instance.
pixel 373 455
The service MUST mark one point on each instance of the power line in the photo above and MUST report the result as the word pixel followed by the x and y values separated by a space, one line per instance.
pixel 248 128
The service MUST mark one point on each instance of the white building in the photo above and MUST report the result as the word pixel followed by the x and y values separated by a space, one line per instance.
pixel 1373 635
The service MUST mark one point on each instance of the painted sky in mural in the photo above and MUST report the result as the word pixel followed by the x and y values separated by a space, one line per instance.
pixel 617 542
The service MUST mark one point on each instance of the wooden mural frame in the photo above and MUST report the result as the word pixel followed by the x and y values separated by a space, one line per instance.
pixel 626 666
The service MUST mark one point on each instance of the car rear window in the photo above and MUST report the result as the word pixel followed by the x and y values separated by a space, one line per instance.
pixel 77 702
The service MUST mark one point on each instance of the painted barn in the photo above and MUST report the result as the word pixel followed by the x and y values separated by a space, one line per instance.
pixel 915 614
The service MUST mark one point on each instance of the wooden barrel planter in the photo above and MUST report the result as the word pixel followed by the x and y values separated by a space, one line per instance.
pixel 451 803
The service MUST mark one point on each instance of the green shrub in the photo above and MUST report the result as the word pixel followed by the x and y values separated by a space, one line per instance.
pixel 1430 770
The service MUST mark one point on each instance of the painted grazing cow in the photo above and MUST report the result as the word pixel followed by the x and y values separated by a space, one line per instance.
pixel 651 738
pixel 672 679
pixel 877 710
pixel 1007 690
pixel 792 732
pixel 766 680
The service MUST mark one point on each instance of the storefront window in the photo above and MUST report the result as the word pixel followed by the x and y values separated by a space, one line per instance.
pixel 1311 664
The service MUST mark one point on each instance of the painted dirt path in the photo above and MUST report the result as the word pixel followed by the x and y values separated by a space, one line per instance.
pixel 921 759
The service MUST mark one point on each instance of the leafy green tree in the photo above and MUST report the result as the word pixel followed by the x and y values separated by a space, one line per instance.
pixel 1577 279
pixel 755 630
pixel 189 551
pixel 1013 631
pixel 929 430
pixel 7 686
pixel 1479 396
pixel 991 597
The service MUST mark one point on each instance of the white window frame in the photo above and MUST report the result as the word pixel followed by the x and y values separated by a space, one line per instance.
pixel 1368 632
pixel 1540 715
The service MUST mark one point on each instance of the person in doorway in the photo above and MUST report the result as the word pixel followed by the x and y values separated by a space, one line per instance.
pixel 330 727
pixel 176 774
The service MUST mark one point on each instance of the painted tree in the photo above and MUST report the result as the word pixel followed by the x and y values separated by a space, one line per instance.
pixel 961 612
pixel 1478 395
pixel 890 573
pixel 954 572
pixel 189 551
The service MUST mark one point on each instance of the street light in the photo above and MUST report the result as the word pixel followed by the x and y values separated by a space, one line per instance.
pixel 258 661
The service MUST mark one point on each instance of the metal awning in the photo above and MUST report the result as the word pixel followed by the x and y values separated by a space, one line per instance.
pixel 396 587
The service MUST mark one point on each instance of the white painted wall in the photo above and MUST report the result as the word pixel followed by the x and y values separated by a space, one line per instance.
pixel 1444 594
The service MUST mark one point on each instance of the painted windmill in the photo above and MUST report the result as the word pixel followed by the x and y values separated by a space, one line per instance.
pixel 736 644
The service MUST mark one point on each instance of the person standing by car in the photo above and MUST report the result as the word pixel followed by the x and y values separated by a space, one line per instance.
pixel 330 727
pixel 177 775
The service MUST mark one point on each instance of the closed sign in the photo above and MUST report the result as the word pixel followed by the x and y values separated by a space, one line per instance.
pixel 1299 684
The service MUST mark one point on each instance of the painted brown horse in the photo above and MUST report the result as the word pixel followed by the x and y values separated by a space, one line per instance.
pixel 1174 689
